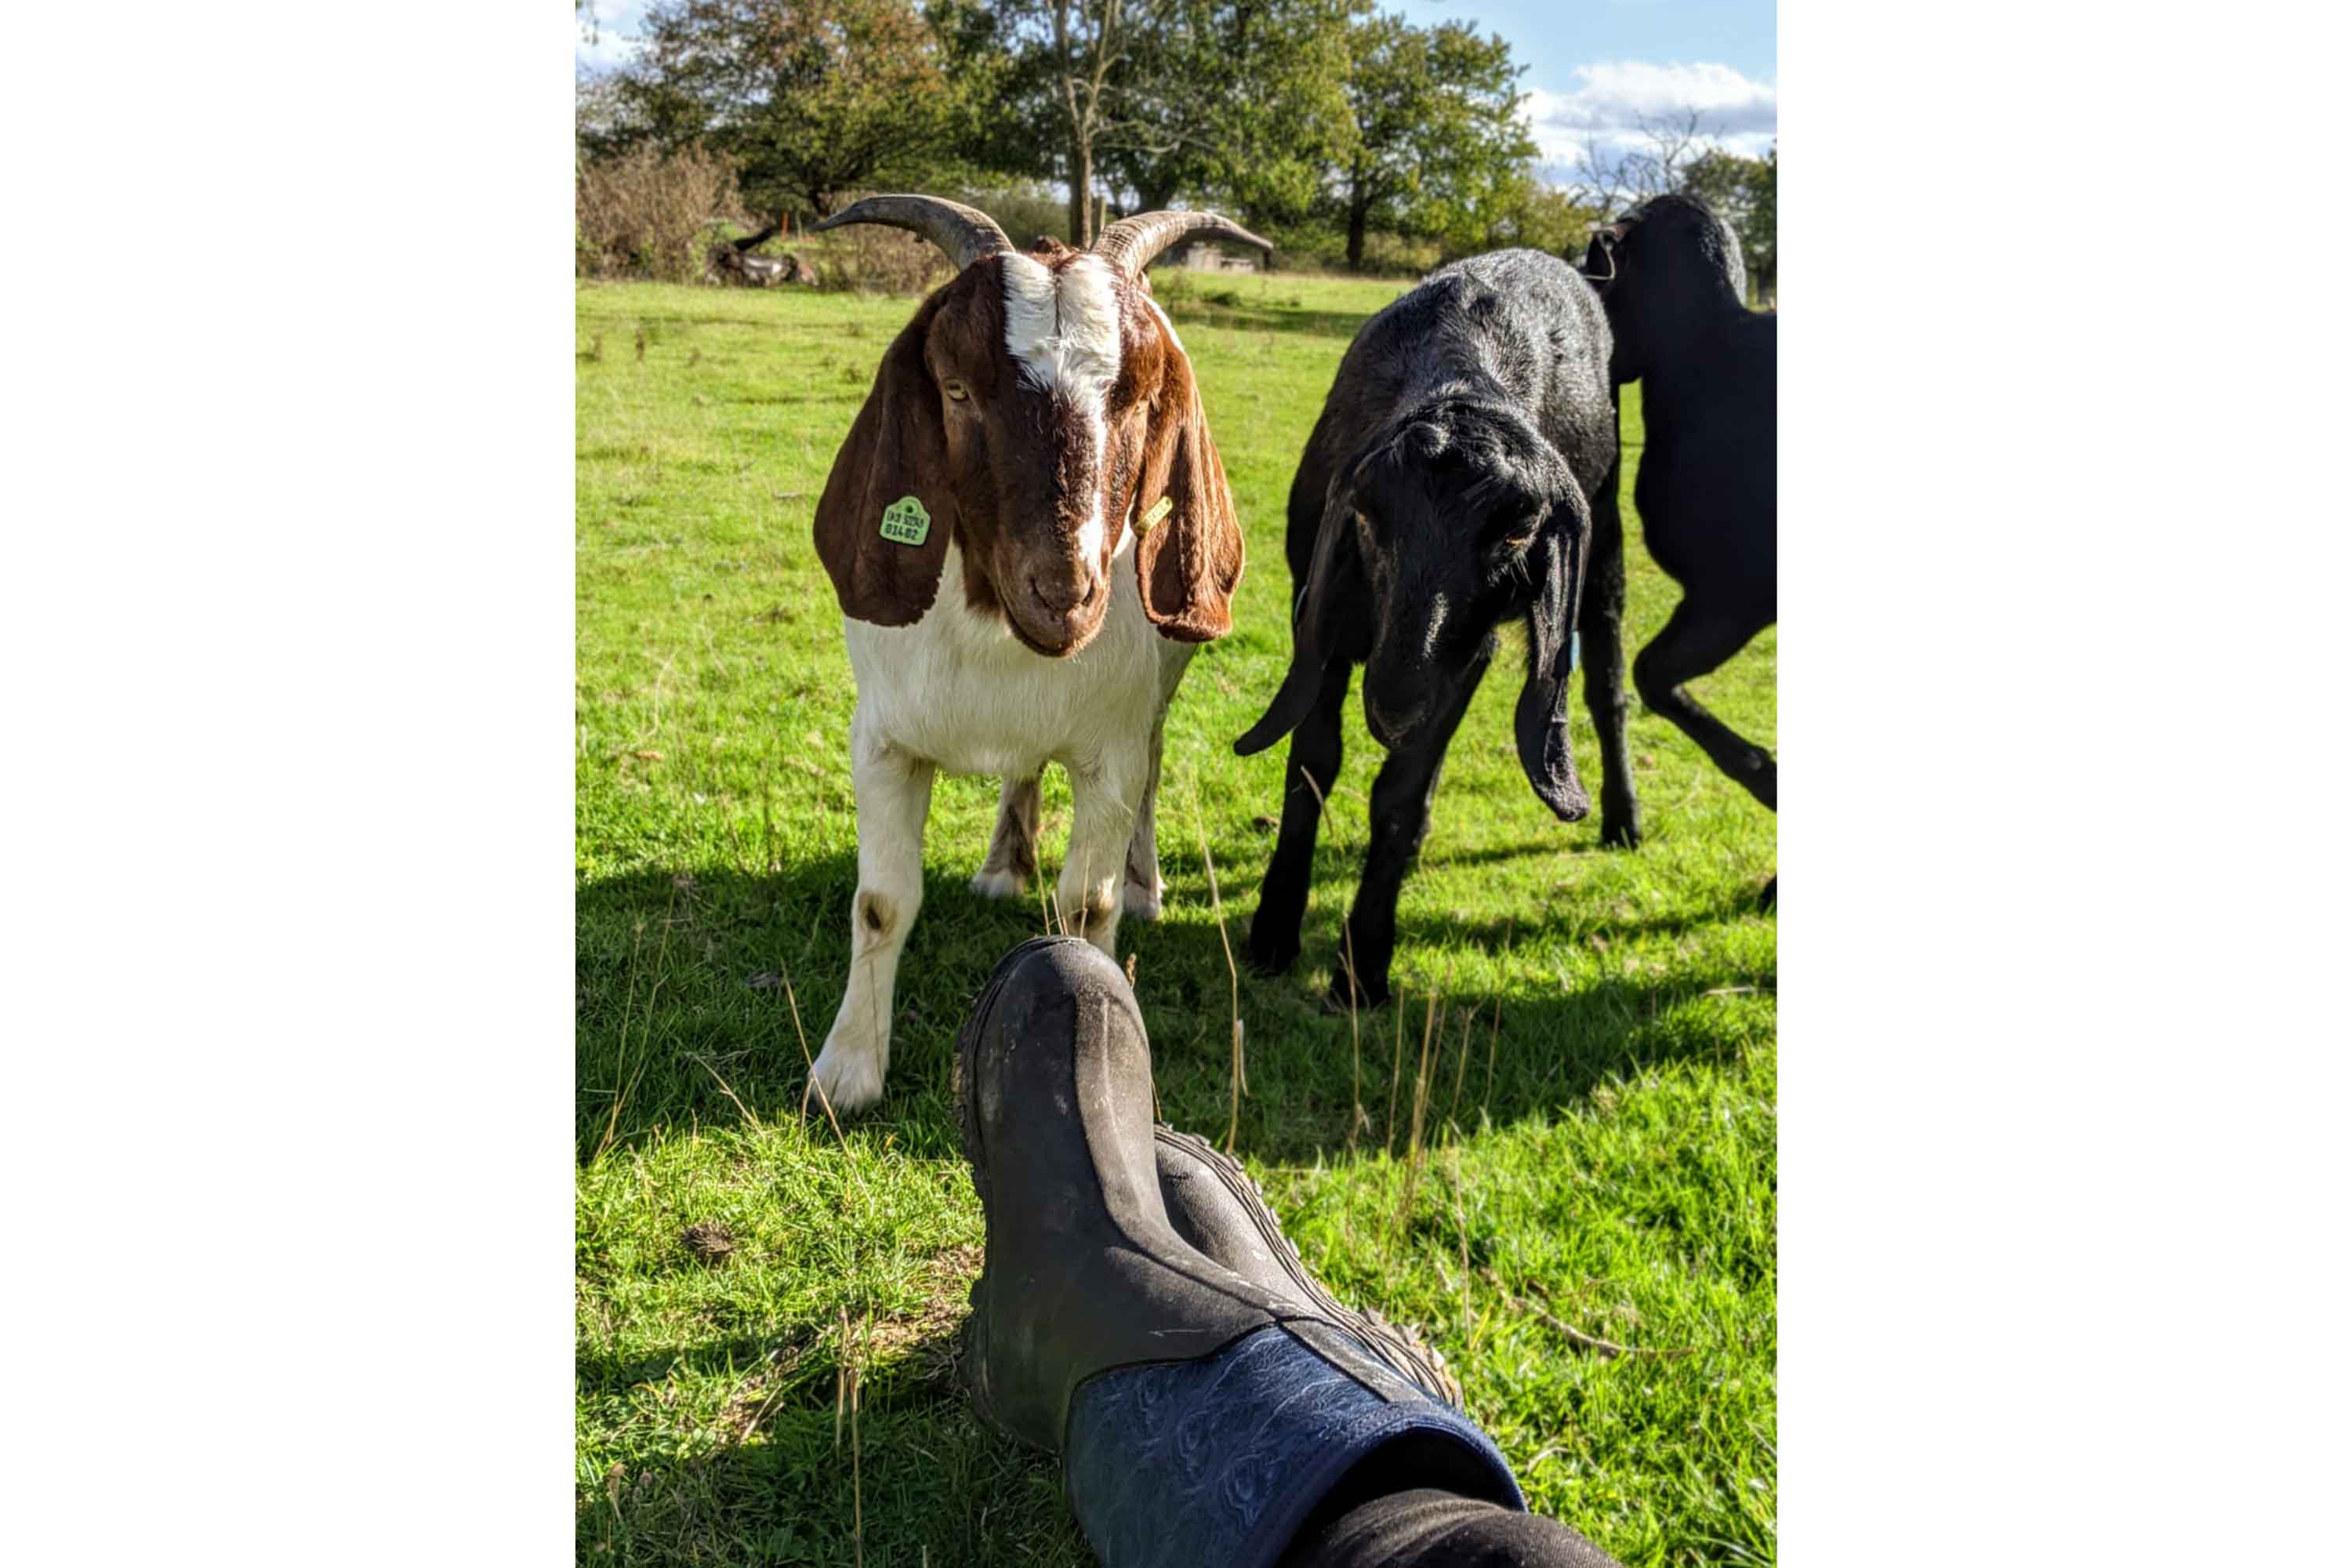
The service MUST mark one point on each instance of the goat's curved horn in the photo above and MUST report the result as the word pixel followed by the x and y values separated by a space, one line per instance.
pixel 966 234
pixel 1132 244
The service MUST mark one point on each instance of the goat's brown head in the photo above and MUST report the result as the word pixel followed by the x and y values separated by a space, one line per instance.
pixel 1037 410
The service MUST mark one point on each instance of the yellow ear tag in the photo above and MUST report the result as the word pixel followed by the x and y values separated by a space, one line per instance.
pixel 904 522
pixel 1159 509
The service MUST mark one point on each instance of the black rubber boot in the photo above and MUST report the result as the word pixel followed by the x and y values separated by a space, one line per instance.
pixel 1215 1206
pixel 1202 1414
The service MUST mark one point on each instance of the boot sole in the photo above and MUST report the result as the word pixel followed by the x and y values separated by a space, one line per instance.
pixel 1392 1342
pixel 969 1354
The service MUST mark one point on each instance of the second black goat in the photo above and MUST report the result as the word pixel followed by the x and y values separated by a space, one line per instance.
pixel 1450 485
pixel 1670 276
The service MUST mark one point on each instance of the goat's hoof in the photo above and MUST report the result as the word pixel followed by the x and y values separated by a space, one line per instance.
pixel 1620 835
pixel 1142 903
pixel 850 1077
pixel 1765 902
pixel 1000 885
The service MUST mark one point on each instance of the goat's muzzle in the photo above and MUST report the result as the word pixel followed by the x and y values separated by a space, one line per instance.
pixel 1059 611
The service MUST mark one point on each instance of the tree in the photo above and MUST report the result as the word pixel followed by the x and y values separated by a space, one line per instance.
pixel 1242 102
pixel 1761 238
pixel 1615 180
pixel 1741 191
pixel 1073 88
pixel 1438 140
pixel 813 97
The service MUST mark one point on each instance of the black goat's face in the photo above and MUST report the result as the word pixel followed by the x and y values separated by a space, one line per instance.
pixel 1458 520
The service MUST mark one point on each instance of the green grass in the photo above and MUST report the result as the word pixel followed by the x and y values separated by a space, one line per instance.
pixel 1603 1147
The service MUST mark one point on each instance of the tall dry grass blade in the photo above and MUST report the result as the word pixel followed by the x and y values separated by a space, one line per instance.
pixel 1462 1234
pixel 644 1034
pixel 1487 1099
pixel 1412 1148
pixel 728 1089
pixel 856 1443
pixel 1396 1072
pixel 621 1061
pixel 1461 1062
pixel 849 1159
pixel 1233 973
pixel 1348 959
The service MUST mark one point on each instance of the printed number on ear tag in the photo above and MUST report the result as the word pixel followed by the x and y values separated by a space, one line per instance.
pixel 1159 509
pixel 904 522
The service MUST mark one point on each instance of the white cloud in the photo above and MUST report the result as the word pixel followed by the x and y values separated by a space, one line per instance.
pixel 610 37
pixel 1611 101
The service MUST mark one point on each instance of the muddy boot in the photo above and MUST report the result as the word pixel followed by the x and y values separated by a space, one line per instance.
pixel 1215 1206
pixel 1202 1414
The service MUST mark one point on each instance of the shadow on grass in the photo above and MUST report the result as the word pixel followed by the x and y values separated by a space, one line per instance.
pixel 918 1477
pixel 684 1018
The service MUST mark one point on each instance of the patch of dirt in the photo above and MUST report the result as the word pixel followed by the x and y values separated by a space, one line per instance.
pixel 710 1243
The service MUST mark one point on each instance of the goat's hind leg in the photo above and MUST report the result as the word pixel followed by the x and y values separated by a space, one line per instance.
pixel 1013 848
pixel 1693 643
pixel 894 796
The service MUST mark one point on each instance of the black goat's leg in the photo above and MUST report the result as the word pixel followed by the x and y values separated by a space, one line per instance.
pixel 1693 643
pixel 1407 783
pixel 1313 766
pixel 1602 621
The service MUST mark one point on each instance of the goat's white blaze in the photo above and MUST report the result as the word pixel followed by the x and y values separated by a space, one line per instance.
pixel 1062 328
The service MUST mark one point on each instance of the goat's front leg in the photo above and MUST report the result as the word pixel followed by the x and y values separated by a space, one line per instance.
pixel 1602 621
pixel 1310 769
pixel 1013 848
pixel 1407 783
pixel 1105 797
pixel 894 796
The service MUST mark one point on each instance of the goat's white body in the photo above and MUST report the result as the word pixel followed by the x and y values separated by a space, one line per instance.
pixel 956 692
pixel 958 689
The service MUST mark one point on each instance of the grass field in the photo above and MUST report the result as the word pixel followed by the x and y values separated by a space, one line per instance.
pixel 1600 1119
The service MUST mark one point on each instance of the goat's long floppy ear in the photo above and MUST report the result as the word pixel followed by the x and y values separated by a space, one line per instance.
pixel 882 525
pixel 1336 577
pixel 1188 554
pixel 1557 557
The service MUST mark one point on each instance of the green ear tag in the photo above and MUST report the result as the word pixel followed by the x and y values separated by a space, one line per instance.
pixel 1159 509
pixel 904 522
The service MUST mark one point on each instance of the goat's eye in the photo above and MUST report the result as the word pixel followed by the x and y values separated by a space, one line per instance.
pixel 957 390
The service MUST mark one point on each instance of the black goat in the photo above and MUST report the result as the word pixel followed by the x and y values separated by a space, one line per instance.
pixel 1670 278
pixel 1450 485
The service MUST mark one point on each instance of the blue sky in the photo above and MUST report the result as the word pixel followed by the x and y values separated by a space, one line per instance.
pixel 1595 67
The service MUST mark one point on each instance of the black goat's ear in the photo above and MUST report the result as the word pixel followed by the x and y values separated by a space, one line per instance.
pixel 1541 720
pixel 1336 577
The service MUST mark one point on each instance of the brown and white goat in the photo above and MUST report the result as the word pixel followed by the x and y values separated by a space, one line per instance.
pixel 1029 532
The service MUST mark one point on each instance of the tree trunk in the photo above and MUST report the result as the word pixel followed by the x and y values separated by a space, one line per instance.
pixel 1082 189
pixel 1358 213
